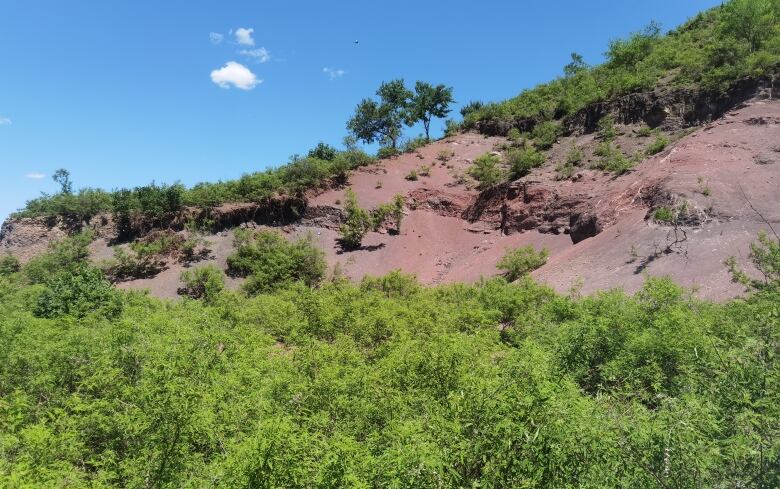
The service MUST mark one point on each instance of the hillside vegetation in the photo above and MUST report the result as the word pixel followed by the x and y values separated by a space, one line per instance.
pixel 384 383
pixel 274 370
pixel 739 39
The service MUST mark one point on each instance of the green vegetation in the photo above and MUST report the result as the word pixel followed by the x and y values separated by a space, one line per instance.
pixel 414 144
pixel 738 39
pixel 445 155
pixel 765 255
pixel 522 161
pixel 78 292
pixel 393 210
pixel 545 134
pixel 412 176
pixel 612 159
pixel 606 128
pixel 162 203
pixel 381 121
pixel 657 146
pixel 426 103
pixel 358 222
pixel 64 255
pixel 127 264
pixel 486 171
pixel 388 384
pixel 519 262
pixel 574 158
pixel 9 264
pixel 269 261
pixel 204 282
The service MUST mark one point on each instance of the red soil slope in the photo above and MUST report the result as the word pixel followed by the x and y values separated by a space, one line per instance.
pixel 727 174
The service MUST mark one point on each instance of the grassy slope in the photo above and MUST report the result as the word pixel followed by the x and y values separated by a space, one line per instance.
pixel 717 47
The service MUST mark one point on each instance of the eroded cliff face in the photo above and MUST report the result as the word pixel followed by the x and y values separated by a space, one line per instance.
pixel 598 226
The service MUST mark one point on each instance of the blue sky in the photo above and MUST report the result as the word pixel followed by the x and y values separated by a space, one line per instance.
pixel 123 93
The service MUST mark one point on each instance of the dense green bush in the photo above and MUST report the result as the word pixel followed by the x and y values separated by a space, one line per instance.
pixel 204 282
pixel 522 161
pixel 9 264
pixel 612 159
pixel 486 170
pixel 521 261
pixel 78 292
pixel 270 261
pixel 64 255
pixel 545 134
pixel 358 222
pixel 323 151
pixel 390 384
pixel 657 146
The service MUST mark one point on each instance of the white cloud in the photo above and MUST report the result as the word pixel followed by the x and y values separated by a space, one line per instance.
pixel 5 121
pixel 216 37
pixel 35 175
pixel 261 54
pixel 244 36
pixel 333 73
pixel 235 74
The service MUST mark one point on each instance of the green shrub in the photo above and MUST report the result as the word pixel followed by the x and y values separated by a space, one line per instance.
pixel 78 292
pixel 606 128
pixel 9 265
pixel 394 284
pixel 644 132
pixel 765 255
pixel 514 135
pixel 127 264
pixel 323 152
pixel 545 134
pixel 412 175
pixel 357 223
pixel 159 243
pixel 521 261
pixel 270 261
pixel 612 159
pixel 664 215
pixel 63 255
pixel 575 156
pixel 565 171
pixel 412 145
pixel 486 171
pixel 451 128
pixel 445 155
pixel 657 146
pixel 204 282
pixel 386 152
pixel 393 209
pixel 522 161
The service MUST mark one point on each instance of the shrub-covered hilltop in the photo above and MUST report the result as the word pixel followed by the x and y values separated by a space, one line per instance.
pixel 738 39
pixel 384 383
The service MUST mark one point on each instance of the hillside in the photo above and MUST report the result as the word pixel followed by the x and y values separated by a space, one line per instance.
pixel 577 287
pixel 724 171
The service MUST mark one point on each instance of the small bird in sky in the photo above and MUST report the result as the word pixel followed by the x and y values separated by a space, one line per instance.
pixel 357 42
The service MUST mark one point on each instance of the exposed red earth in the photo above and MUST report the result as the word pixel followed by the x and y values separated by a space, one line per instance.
pixel 597 226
